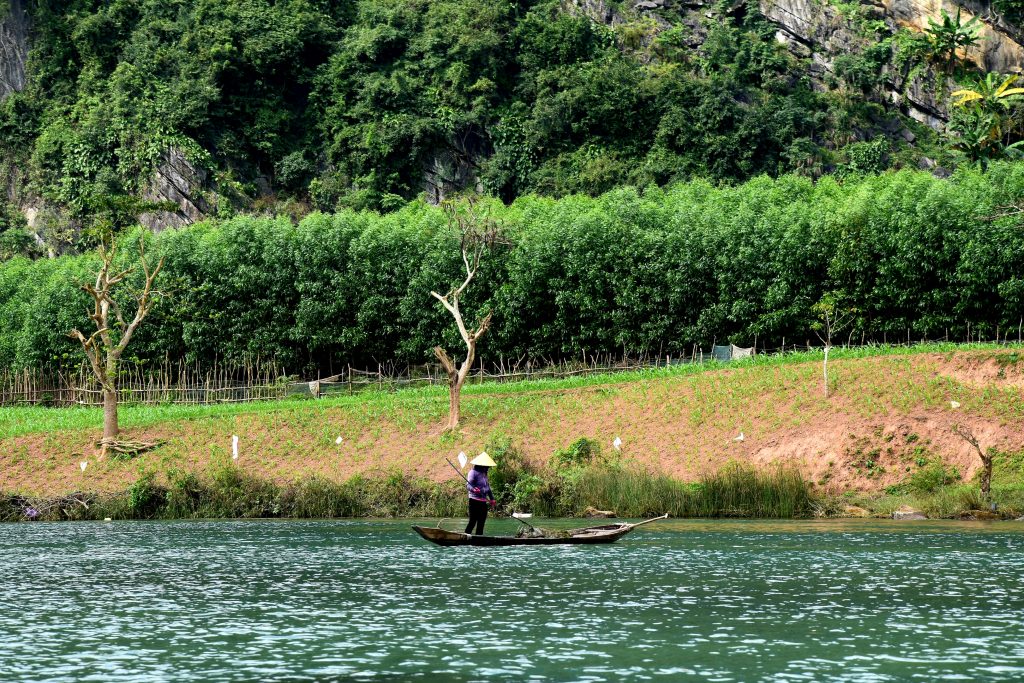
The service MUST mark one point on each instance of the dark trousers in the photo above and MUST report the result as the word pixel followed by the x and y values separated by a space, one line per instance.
pixel 477 516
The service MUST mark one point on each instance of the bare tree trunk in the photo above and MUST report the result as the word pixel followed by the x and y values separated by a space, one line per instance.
pixel 456 379
pixel 110 426
pixel 825 368
pixel 104 347
pixel 478 233
pixel 986 473
pixel 454 396
pixel 986 455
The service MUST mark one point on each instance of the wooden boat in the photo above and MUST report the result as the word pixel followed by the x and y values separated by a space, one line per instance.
pixel 605 533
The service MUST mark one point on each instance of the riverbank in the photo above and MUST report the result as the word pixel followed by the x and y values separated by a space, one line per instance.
pixel 735 492
pixel 882 440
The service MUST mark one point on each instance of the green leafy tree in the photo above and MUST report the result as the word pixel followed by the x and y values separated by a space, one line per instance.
pixel 15 239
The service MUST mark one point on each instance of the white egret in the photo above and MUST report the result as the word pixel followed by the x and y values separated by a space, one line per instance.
pixel 617 444
pixel 234 447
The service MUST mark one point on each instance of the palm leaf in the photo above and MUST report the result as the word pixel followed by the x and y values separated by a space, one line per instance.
pixel 1006 84
pixel 966 96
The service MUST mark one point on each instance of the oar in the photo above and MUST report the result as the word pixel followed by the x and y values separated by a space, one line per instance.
pixel 523 521
pixel 648 521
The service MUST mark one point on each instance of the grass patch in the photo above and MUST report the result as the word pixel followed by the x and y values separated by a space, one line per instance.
pixel 428 404
pixel 735 491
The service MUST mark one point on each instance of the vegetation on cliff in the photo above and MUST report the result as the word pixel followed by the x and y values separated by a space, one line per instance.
pixel 368 104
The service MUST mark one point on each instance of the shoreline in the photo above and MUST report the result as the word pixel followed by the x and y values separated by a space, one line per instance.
pixel 230 494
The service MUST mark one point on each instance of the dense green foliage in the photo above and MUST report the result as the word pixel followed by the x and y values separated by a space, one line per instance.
pixel 656 271
pixel 345 104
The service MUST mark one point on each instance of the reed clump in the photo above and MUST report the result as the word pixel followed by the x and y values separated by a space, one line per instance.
pixel 735 491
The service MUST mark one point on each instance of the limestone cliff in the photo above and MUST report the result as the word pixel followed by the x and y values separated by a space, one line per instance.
pixel 821 31
pixel 178 182
pixel 13 47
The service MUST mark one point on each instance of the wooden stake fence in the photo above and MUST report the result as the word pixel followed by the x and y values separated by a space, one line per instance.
pixel 184 384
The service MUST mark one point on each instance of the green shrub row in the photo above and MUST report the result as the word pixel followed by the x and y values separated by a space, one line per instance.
pixel 658 270
pixel 230 493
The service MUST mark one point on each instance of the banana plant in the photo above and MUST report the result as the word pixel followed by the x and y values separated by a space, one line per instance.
pixel 951 35
pixel 986 121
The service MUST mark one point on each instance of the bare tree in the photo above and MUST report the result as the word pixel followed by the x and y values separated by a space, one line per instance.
pixel 832 318
pixel 478 233
pixel 986 457
pixel 105 346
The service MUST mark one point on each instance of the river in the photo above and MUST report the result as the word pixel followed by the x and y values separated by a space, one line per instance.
pixel 357 600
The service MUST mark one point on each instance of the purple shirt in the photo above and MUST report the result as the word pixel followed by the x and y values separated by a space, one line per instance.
pixel 478 479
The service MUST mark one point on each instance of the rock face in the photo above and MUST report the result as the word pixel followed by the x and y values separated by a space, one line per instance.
pixel 455 168
pixel 999 48
pixel 176 181
pixel 822 32
pixel 13 47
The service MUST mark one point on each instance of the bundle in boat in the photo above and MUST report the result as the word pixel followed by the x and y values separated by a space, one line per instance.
pixel 541 532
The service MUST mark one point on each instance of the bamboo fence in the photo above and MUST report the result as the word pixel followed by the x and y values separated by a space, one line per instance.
pixel 181 383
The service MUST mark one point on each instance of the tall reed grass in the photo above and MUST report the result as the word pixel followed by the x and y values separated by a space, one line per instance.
pixel 735 491
pixel 229 492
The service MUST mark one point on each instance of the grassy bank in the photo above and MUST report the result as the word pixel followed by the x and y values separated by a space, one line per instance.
pixel 883 438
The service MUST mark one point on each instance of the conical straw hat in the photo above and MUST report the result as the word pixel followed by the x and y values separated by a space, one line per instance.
pixel 484 460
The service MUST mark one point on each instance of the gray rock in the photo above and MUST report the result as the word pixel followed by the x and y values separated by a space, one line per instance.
pixel 906 513
pixel 178 181
pixel 263 185
pixel 455 168
pixel 823 30
pixel 14 30
pixel 647 5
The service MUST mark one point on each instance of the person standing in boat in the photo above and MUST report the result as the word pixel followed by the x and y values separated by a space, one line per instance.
pixel 480 495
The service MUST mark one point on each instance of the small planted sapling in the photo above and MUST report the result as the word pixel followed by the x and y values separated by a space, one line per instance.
pixel 833 316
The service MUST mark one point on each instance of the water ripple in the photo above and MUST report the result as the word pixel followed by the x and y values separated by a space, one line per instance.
pixel 357 600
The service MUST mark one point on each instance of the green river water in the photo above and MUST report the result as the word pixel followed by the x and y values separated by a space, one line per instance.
pixel 369 600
